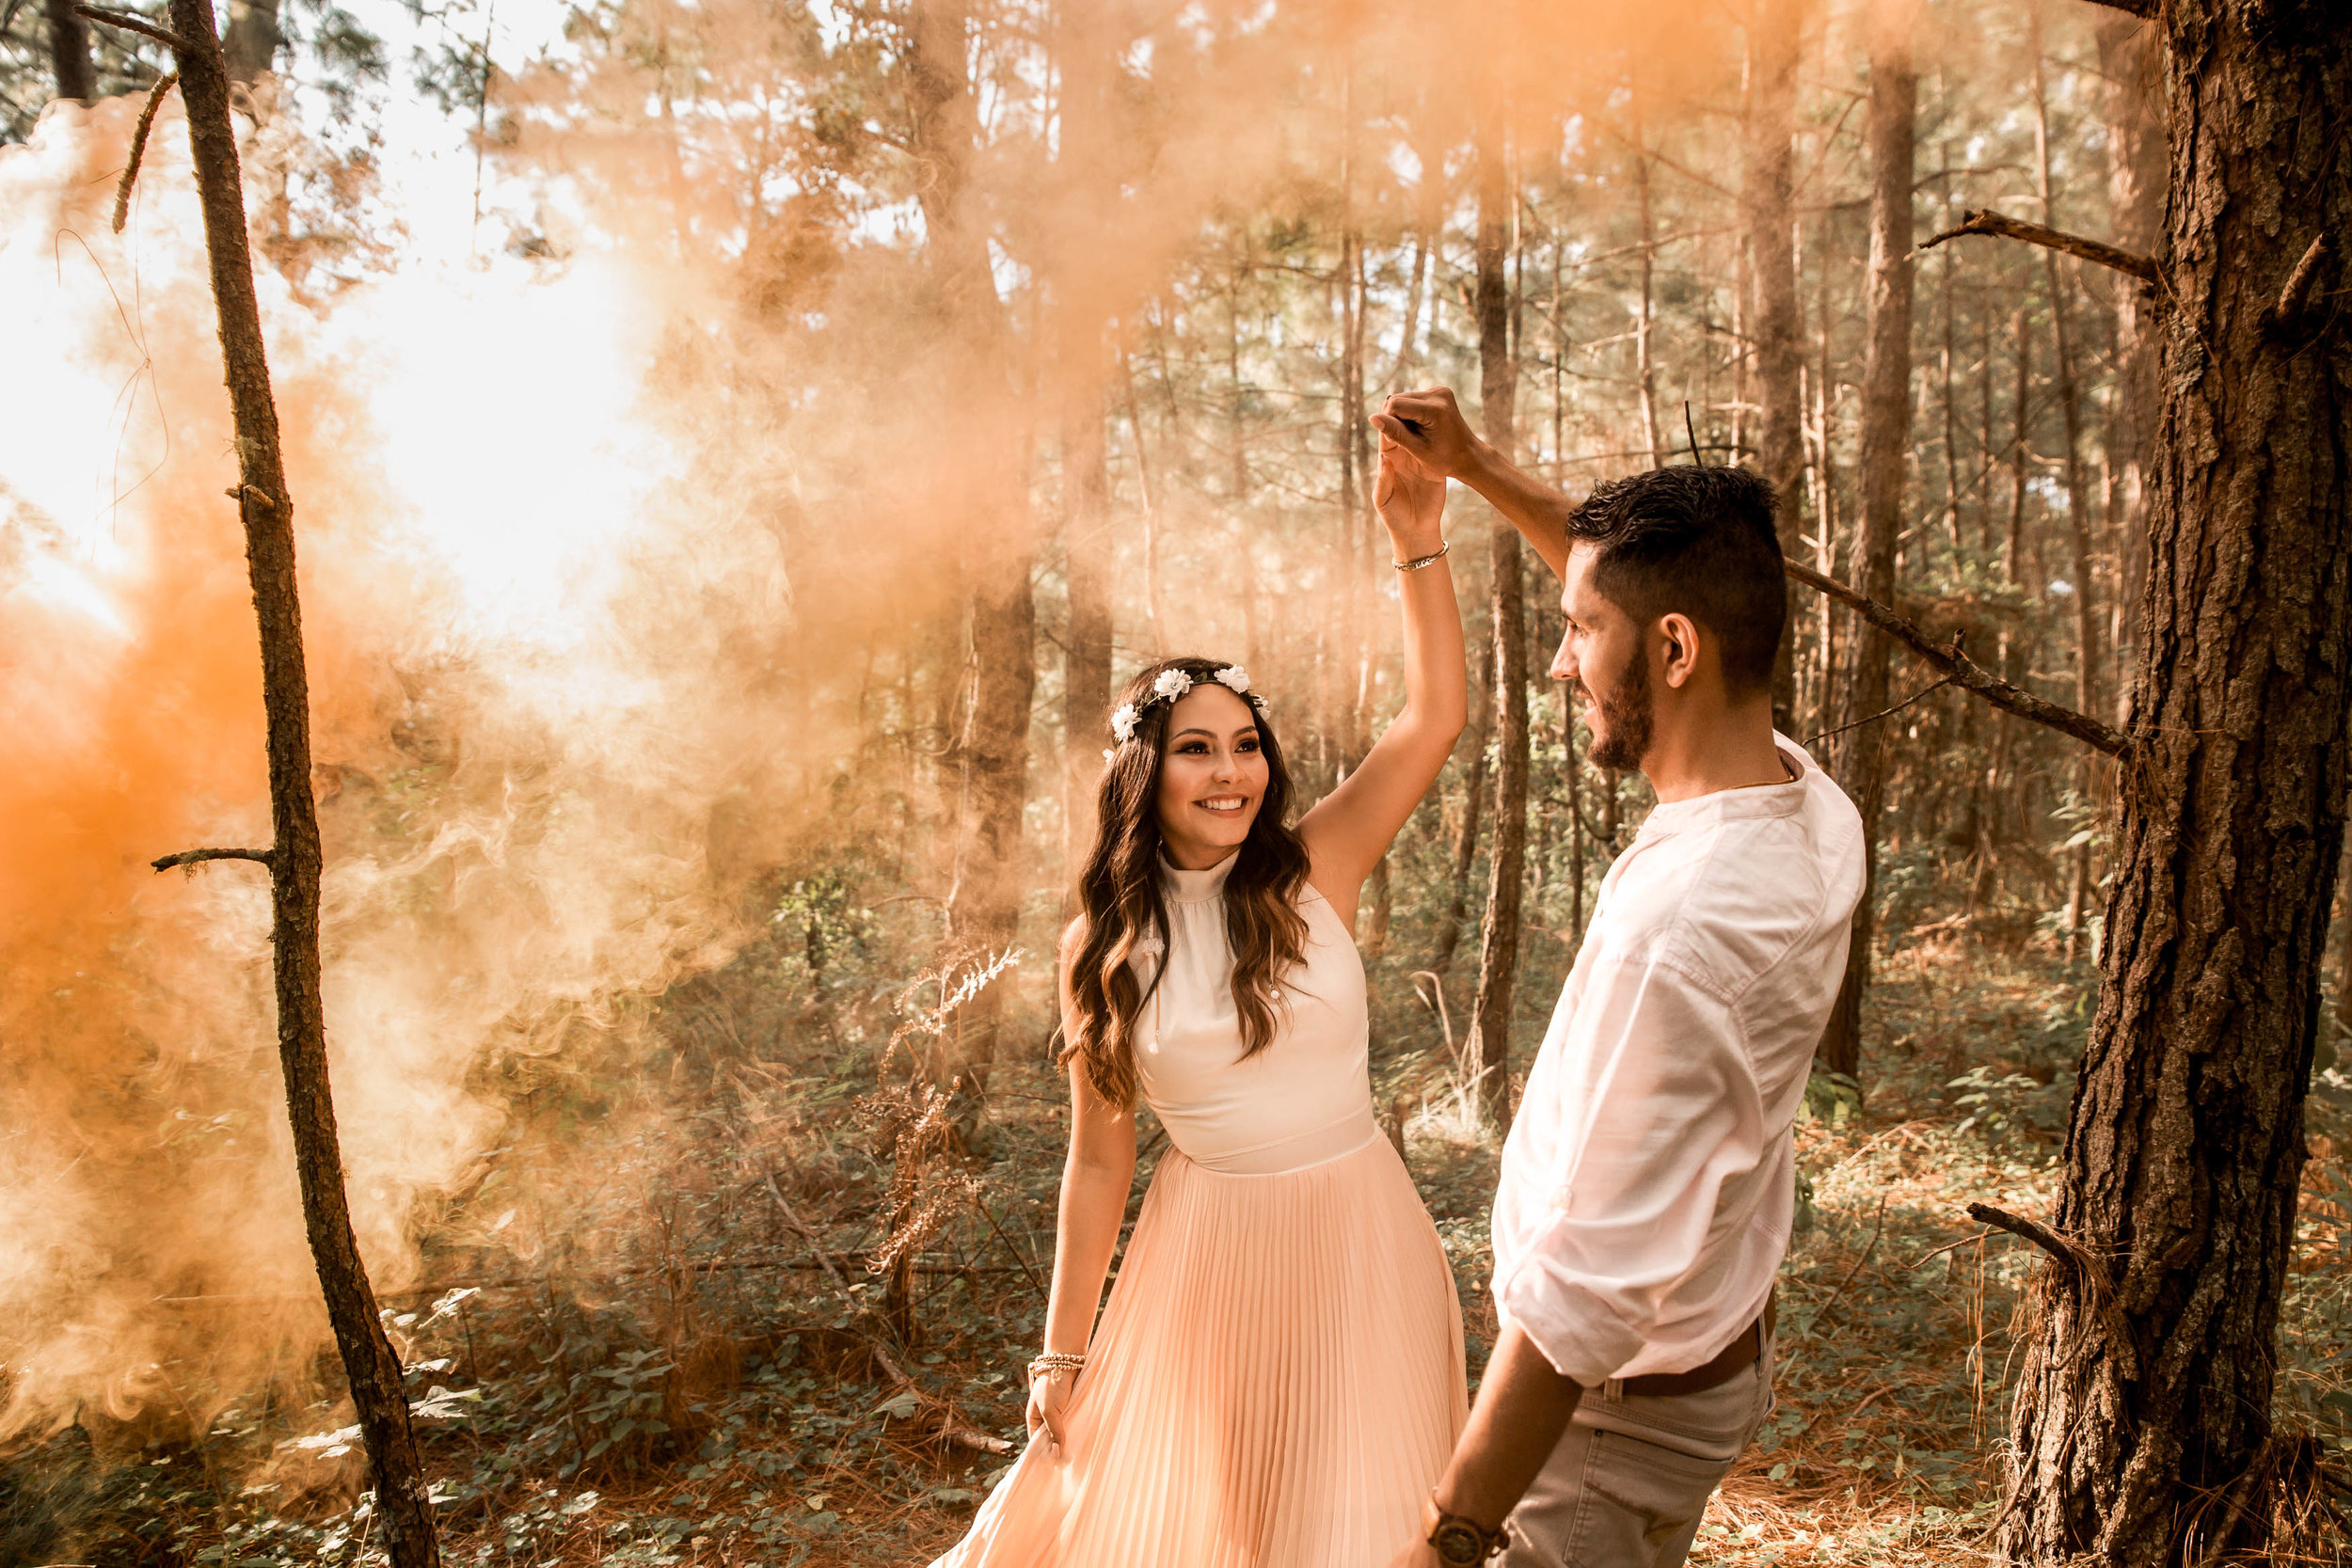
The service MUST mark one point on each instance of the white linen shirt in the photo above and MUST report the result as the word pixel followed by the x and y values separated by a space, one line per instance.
pixel 1649 1179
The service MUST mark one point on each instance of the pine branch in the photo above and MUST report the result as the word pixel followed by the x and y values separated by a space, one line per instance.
pixel 1954 662
pixel 196 857
pixel 1997 226
pixel 2017 1225
pixel 139 146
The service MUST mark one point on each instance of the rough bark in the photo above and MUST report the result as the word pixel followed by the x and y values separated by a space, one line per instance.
pixel 403 1504
pixel 2142 1428
pixel 1859 756
pixel 1506 861
pixel 989 479
pixel 1769 213
pixel 69 53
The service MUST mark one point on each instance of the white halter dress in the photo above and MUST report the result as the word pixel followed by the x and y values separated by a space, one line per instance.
pixel 1278 1379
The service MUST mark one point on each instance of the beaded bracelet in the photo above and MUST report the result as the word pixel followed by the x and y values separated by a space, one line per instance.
pixel 1046 1365
pixel 1417 563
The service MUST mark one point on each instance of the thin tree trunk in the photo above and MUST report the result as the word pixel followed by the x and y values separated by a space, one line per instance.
pixel 266 510
pixel 2087 649
pixel 1644 359
pixel 1860 755
pixel 2142 1430
pixel 1769 217
pixel 69 53
pixel 1497 391
pixel 1084 152
pixel 1473 805
pixel 2131 59
pixel 984 907
pixel 252 41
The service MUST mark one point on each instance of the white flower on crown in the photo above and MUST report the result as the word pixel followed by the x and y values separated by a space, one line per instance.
pixel 1123 723
pixel 1171 684
pixel 1235 679
pixel 1108 754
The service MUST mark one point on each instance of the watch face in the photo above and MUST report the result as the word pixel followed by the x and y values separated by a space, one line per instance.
pixel 1458 1543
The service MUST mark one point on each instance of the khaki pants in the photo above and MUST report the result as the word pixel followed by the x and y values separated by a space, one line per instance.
pixel 1629 1483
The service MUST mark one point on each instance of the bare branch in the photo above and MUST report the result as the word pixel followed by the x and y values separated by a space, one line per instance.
pixel 1996 226
pixel 1963 671
pixel 130 23
pixel 139 146
pixel 196 857
pixel 2017 1225
pixel 2298 287
pixel 2131 8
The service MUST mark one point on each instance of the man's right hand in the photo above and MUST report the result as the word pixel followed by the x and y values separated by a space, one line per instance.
pixel 1430 426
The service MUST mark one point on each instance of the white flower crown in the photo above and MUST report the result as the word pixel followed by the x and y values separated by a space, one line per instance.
pixel 1173 685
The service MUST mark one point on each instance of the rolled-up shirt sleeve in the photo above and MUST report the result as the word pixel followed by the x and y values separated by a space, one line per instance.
pixel 1670 1111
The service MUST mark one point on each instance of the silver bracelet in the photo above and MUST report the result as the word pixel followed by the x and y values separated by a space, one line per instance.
pixel 1424 560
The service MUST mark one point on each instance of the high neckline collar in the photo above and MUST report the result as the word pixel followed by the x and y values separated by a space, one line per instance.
pixel 1195 887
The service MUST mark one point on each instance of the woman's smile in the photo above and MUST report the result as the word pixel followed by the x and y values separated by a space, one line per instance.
pixel 1224 805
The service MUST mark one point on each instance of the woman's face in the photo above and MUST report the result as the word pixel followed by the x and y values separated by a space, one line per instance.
pixel 1213 776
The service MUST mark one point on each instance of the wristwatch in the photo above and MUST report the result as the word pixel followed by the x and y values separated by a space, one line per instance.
pixel 1460 1543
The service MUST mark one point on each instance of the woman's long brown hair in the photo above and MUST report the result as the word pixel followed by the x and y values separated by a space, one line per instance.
pixel 1120 902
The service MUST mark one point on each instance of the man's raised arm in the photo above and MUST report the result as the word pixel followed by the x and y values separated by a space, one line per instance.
pixel 1431 427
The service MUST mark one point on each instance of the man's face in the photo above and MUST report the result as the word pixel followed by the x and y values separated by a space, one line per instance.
pixel 1604 655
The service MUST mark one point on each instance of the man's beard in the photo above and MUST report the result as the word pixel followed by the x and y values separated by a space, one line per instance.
pixel 1627 720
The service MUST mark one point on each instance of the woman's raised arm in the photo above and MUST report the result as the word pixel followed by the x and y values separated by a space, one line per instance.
pixel 1351 827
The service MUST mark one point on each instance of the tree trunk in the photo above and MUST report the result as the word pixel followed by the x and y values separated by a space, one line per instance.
pixel 990 481
pixel 69 53
pixel 1506 860
pixel 2087 643
pixel 1769 217
pixel 403 1503
pixel 1473 804
pixel 252 41
pixel 1083 367
pixel 2142 1428
pixel 2131 58
pixel 1859 756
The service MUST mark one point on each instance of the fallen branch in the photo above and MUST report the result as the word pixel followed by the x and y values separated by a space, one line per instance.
pixel 2017 1225
pixel 139 146
pixel 1813 1326
pixel 1954 662
pixel 617 1271
pixel 196 857
pixel 954 1432
pixel 134 23
pixel 1996 226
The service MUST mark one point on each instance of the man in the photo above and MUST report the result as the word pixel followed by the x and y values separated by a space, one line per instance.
pixel 1647 1184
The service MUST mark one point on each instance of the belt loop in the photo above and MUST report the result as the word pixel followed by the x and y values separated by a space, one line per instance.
pixel 1613 1390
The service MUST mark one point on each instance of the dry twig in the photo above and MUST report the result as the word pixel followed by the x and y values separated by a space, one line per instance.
pixel 1995 225
pixel 1964 671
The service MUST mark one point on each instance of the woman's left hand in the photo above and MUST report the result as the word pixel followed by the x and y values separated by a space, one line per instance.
pixel 1412 501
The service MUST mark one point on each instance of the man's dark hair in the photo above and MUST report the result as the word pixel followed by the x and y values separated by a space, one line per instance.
pixel 1698 541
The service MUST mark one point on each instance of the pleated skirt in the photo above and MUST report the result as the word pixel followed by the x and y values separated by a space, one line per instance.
pixel 1277 1383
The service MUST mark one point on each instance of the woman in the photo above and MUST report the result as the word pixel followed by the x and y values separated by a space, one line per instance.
pixel 1278 1379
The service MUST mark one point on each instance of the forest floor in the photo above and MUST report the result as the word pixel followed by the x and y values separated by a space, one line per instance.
pixel 708 1394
